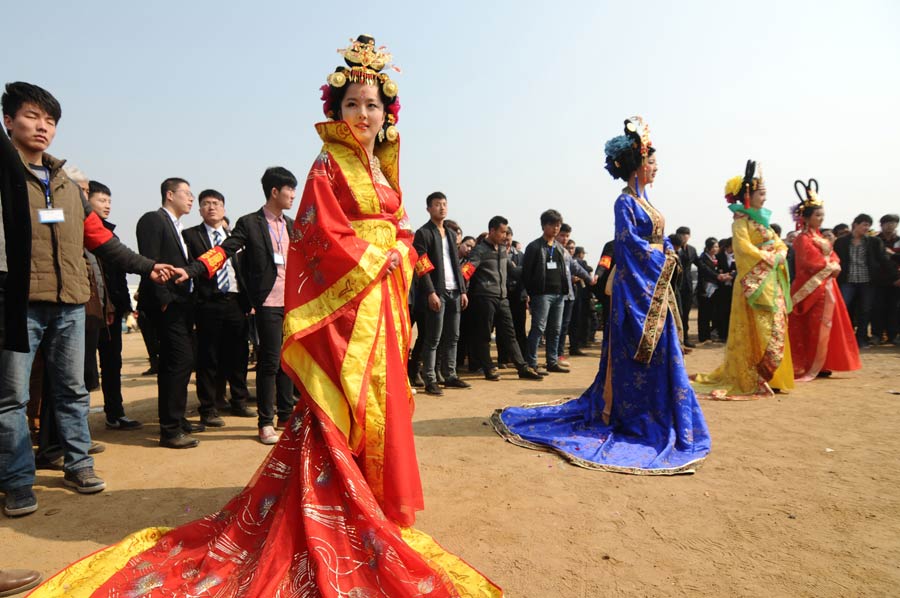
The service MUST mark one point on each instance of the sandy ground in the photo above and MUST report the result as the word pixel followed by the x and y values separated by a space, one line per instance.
pixel 799 497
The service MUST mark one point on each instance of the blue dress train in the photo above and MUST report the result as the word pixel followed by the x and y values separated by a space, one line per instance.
pixel 640 415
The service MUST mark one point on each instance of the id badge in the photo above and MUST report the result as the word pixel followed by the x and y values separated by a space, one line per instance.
pixel 51 216
pixel 279 259
pixel 551 265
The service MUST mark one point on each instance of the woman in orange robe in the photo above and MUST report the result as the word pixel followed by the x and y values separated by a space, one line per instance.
pixel 822 338
pixel 329 512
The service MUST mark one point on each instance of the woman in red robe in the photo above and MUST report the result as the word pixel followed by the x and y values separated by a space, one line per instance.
pixel 822 339
pixel 330 511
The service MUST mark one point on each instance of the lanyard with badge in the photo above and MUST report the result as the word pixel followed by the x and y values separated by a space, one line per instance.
pixel 551 263
pixel 277 255
pixel 50 215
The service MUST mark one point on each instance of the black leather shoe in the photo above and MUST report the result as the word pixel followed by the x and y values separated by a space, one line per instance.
pixel 182 441
pixel 577 352
pixel 690 345
pixel 417 381
pixel 192 428
pixel 433 389
pixel 243 411
pixel 455 382
pixel 557 369
pixel 212 421
pixel 491 375
pixel 152 371
pixel 529 373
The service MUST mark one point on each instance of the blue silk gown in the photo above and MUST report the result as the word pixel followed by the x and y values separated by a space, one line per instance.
pixel 640 415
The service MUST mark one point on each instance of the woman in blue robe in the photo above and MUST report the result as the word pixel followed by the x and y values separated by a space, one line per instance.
pixel 640 415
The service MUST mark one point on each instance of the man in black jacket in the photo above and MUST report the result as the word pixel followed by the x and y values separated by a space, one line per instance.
pixel 220 313
pixel 264 237
pixel 863 264
pixel 109 342
pixel 441 285
pixel 708 279
pixel 171 307
pixel 687 256
pixel 487 268
pixel 15 228
pixel 543 273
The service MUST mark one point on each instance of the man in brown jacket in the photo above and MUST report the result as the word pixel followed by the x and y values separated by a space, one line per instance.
pixel 62 227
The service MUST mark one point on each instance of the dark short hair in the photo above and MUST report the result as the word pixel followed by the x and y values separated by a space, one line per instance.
pixel 20 93
pixel 889 218
pixel 210 193
pixel 467 238
pixel 579 249
pixel 277 177
pixel 675 239
pixel 839 228
pixel 496 222
pixel 683 230
pixel 434 197
pixel 565 228
pixel 710 242
pixel 98 187
pixel 862 218
pixel 551 217
pixel 776 227
pixel 170 184
pixel 725 243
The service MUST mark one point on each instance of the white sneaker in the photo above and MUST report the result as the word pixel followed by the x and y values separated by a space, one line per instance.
pixel 268 435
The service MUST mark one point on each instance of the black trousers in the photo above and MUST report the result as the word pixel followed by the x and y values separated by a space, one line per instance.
pixel 489 313
pixel 147 324
pixel 519 310
pixel 222 350
pixel 174 328
pixel 706 316
pixel 91 373
pixel 274 389
pixel 109 346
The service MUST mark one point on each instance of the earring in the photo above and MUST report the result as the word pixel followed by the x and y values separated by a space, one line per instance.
pixel 381 135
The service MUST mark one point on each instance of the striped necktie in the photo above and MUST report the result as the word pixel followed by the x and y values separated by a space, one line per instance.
pixel 222 273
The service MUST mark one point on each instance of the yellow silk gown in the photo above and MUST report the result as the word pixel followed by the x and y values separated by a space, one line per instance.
pixel 758 353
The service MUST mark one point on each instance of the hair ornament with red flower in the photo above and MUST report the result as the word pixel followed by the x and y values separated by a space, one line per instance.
pixel 739 188
pixel 364 65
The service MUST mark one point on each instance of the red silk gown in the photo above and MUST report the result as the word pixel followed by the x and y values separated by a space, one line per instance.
pixel 328 513
pixel 821 334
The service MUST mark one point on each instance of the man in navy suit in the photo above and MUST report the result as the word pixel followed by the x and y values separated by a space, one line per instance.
pixel 171 307
pixel 221 314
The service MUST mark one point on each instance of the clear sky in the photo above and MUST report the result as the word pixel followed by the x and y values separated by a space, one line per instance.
pixel 506 104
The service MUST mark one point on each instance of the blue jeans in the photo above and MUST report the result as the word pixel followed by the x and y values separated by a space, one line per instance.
pixel 568 306
pixel 441 330
pixel 546 318
pixel 59 329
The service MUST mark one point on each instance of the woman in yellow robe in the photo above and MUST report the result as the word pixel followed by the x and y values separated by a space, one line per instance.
pixel 758 355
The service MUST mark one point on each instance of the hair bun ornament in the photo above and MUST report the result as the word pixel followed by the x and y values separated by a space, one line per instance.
pixel 364 63
pixel 809 198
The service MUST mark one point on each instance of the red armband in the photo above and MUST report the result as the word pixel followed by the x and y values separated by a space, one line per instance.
pixel 95 234
pixel 605 261
pixel 213 259
pixel 424 265
pixel 467 270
